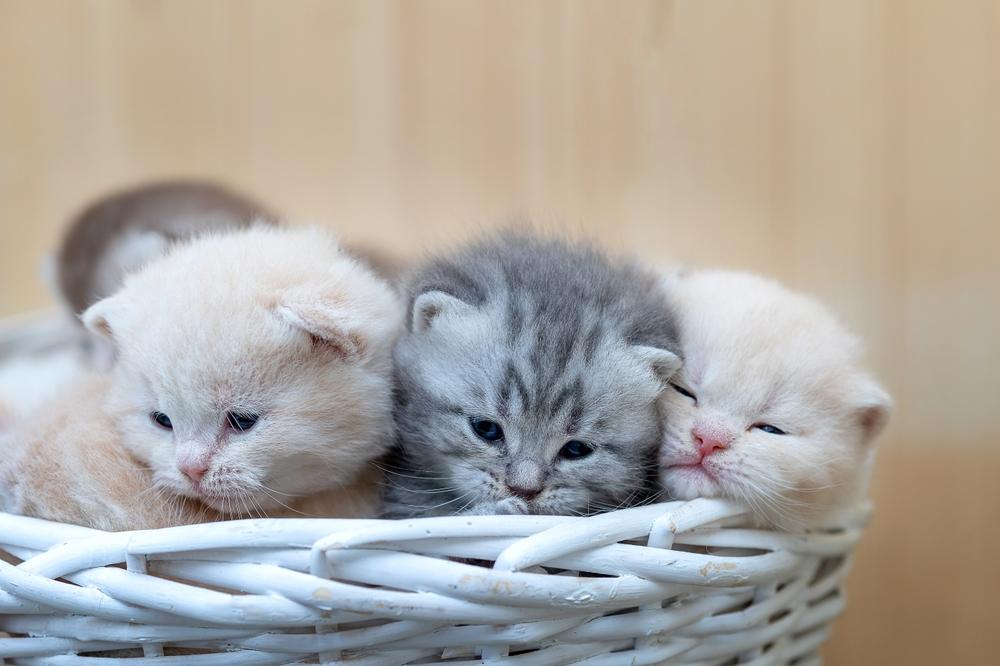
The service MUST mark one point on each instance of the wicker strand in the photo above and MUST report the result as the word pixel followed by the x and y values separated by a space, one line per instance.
pixel 703 589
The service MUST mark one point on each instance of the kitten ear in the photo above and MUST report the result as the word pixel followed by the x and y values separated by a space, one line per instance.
pixel 664 363
pixel 874 410
pixel 429 305
pixel 327 322
pixel 105 316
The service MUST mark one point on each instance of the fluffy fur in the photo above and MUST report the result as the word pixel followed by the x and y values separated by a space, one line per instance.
pixel 758 355
pixel 551 342
pixel 269 323
pixel 69 465
pixel 122 232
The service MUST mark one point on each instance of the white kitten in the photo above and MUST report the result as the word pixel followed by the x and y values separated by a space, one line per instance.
pixel 253 374
pixel 771 407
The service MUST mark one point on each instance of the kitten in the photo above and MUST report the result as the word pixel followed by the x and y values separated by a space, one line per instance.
pixel 254 376
pixel 68 463
pixel 122 232
pixel 771 407
pixel 527 382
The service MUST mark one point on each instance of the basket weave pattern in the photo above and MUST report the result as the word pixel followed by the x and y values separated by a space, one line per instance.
pixel 679 582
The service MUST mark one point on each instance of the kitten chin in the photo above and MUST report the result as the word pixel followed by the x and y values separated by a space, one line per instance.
pixel 253 377
pixel 771 408
pixel 526 382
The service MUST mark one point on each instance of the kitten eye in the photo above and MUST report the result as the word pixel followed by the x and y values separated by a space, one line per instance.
pixel 575 449
pixel 683 391
pixel 487 430
pixel 162 420
pixel 769 429
pixel 241 422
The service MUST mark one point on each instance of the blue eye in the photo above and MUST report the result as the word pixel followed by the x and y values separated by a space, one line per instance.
pixel 162 420
pixel 575 449
pixel 241 422
pixel 769 429
pixel 486 429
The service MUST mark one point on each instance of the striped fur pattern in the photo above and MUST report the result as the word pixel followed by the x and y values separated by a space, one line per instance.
pixel 551 342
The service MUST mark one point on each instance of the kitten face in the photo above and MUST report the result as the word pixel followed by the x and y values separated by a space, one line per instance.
pixel 509 443
pixel 245 380
pixel 529 400
pixel 770 408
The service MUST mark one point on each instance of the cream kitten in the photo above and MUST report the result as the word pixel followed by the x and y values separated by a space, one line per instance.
pixel 771 407
pixel 254 376
pixel 123 231
pixel 68 463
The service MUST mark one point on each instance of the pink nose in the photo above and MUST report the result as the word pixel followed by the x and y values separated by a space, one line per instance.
pixel 709 440
pixel 194 471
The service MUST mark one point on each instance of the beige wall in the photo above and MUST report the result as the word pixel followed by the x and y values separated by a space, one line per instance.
pixel 851 148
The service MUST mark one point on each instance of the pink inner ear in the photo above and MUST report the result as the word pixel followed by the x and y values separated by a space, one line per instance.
pixel 102 326
pixel 347 348
pixel 427 314
pixel 873 420
pixel 325 327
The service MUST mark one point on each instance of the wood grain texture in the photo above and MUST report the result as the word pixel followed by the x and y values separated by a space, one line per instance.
pixel 850 148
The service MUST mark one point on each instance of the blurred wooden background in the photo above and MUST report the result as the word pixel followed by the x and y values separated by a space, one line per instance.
pixel 851 148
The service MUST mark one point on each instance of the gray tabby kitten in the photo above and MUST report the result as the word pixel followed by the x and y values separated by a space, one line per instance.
pixel 527 382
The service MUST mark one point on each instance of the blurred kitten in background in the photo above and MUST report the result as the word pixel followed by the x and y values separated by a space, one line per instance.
pixel 771 407
pixel 527 382
pixel 115 235
pixel 121 232
pixel 254 377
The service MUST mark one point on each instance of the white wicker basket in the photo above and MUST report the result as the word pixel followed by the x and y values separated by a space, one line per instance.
pixel 635 586
pixel 674 583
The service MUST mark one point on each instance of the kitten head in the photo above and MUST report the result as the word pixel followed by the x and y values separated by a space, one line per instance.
pixel 528 379
pixel 771 407
pixel 254 366
pixel 123 231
